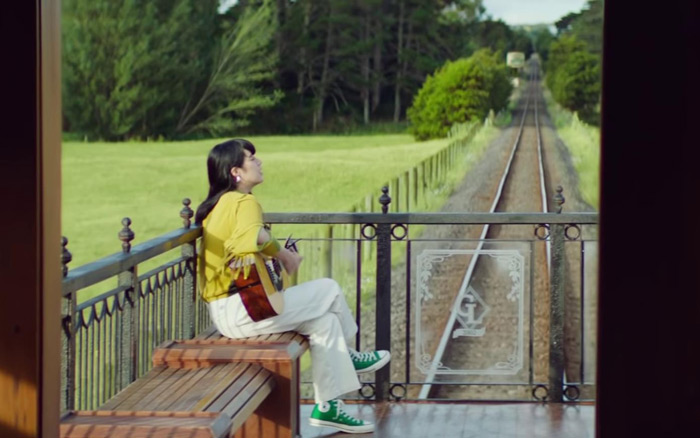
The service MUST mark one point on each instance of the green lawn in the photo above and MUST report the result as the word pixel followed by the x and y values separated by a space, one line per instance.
pixel 104 182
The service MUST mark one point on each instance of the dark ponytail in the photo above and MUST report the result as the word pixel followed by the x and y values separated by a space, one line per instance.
pixel 222 158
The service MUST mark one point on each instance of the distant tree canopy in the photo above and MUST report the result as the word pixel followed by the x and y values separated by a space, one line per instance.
pixel 586 25
pixel 182 68
pixel 458 92
pixel 573 67
pixel 541 38
pixel 140 68
pixel 573 76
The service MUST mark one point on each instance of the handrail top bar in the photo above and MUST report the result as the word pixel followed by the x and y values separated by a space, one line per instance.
pixel 107 267
pixel 582 218
pixel 104 268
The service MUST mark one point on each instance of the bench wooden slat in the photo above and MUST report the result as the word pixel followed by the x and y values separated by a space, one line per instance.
pixel 150 391
pixel 172 390
pixel 217 377
pixel 231 342
pixel 211 334
pixel 285 337
pixel 188 387
pixel 236 397
pixel 188 354
pixel 214 400
pixel 257 392
pixel 151 379
pixel 141 424
pixel 240 373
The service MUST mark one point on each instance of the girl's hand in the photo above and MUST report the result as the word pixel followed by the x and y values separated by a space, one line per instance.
pixel 290 260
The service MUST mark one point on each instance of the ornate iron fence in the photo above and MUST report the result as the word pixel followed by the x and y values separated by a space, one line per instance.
pixel 398 287
pixel 108 339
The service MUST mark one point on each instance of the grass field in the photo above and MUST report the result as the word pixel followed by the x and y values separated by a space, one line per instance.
pixel 104 182
pixel 146 181
pixel 583 142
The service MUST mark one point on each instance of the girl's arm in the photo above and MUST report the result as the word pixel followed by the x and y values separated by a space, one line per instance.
pixel 290 260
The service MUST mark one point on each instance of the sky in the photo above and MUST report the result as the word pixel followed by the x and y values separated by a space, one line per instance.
pixel 531 11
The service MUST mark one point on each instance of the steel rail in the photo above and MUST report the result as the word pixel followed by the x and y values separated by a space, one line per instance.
pixel 444 339
pixel 543 187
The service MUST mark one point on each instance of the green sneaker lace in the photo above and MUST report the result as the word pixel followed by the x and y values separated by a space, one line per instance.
pixel 343 416
pixel 363 357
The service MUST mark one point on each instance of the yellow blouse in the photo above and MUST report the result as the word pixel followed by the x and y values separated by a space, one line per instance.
pixel 230 235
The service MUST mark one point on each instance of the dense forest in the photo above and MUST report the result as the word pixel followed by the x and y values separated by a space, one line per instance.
pixel 144 69
pixel 184 68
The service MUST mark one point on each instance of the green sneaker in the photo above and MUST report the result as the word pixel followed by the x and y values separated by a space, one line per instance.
pixel 369 361
pixel 331 414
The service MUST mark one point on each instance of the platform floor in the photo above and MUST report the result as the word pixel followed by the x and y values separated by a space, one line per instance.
pixel 466 420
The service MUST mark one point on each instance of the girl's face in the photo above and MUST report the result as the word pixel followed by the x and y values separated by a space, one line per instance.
pixel 250 172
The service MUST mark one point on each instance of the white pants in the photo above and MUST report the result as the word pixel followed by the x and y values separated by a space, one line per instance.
pixel 316 309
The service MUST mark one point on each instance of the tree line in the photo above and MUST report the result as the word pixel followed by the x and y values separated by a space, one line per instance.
pixel 573 61
pixel 184 68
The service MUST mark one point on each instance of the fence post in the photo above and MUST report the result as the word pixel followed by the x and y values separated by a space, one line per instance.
pixel 414 174
pixel 383 299
pixel 443 165
pixel 395 189
pixel 366 244
pixel 67 338
pixel 327 256
pixel 129 333
pixel 556 313
pixel 189 293
pixel 407 192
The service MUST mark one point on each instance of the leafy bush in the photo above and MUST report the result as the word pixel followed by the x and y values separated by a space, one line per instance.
pixel 458 92
pixel 573 76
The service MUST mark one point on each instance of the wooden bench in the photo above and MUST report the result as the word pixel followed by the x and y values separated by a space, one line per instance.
pixel 210 386
pixel 272 419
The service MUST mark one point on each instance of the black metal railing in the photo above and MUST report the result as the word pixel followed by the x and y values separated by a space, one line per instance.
pixel 546 373
pixel 108 339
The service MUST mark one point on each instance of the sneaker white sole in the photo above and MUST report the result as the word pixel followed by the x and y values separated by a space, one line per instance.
pixel 342 427
pixel 377 365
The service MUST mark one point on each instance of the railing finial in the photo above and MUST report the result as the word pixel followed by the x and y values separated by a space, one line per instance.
pixel 126 235
pixel 385 199
pixel 559 198
pixel 66 256
pixel 186 213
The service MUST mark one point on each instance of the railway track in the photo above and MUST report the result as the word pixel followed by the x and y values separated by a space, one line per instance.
pixel 429 356
pixel 521 188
